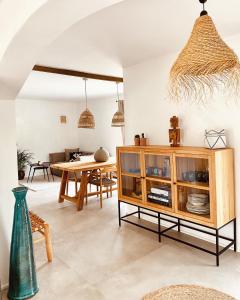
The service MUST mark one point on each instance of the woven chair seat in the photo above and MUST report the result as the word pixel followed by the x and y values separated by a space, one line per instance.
pixel 105 182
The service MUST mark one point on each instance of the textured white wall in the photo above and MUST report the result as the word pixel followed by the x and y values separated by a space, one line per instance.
pixel 148 110
pixel 39 129
pixel 8 175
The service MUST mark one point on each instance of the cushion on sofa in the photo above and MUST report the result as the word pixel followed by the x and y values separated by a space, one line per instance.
pixel 68 151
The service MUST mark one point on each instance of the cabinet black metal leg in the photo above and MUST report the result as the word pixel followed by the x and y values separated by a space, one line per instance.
pixel 217 248
pixel 235 234
pixel 139 213
pixel 179 226
pixel 119 213
pixel 159 228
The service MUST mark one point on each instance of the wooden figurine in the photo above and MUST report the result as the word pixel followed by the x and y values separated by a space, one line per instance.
pixel 174 132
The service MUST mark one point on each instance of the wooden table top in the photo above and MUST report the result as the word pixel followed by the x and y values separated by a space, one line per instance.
pixel 84 166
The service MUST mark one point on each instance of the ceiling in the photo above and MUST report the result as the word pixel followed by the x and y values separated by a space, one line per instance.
pixel 54 87
pixel 119 36
pixel 132 31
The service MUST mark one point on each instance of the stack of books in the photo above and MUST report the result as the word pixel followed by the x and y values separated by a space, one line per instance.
pixel 161 195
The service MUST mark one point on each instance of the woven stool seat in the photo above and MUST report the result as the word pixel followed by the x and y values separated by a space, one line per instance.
pixel 39 225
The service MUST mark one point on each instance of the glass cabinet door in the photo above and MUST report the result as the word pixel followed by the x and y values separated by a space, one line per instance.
pixel 132 187
pixel 159 193
pixel 192 170
pixel 130 163
pixel 158 166
pixel 192 186
pixel 193 201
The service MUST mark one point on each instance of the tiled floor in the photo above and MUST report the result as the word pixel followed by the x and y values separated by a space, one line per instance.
pixel 94 259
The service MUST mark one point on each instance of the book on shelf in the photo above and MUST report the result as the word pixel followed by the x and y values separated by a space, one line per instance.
pixel 161 191
pixel 162 200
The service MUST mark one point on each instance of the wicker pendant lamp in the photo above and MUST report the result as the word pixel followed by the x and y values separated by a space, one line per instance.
pixel 118 117
pixel 206 63
pixel 86 119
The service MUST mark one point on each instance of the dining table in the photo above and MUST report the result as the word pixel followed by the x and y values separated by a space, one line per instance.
pixel 84 168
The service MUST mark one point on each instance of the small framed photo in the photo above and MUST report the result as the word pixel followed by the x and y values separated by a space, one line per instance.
pixel 63 119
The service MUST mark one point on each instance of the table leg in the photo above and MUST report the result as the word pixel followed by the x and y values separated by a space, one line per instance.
pixel 29 173
pixel 47 174
pixel 83 190
pixel 63 186
pixel 33 174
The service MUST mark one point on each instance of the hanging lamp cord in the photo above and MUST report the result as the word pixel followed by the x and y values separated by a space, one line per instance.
pixel 85 86
pixel 203 12
pixel 117 92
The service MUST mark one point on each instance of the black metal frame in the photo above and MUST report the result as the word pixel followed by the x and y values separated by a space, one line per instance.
pixel 176 221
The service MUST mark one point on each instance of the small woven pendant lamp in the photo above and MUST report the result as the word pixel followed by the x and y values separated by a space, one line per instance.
pixel 86 119
pixel 118 117
pixel 205 64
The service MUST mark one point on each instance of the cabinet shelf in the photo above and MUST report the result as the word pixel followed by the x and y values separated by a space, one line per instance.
pixel 196 185
pixel 159 179
pixel 136 175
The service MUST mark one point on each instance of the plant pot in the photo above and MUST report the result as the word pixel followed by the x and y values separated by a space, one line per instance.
pixel 21 174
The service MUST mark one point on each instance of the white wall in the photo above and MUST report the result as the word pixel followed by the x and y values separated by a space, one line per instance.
pixel 8 175
pixel 148 110
pixel 103 135
pixel 39 129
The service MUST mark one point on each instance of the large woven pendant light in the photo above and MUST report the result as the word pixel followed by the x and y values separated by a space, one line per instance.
pixel 118 117
pixel 205 64
pixel 86 119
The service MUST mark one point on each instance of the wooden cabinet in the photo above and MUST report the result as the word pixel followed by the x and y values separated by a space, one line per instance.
pixel 191 183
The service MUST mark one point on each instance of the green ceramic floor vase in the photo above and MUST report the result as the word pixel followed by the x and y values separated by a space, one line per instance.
pixel 22 271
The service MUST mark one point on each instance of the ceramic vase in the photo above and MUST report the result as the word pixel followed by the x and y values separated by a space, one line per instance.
pixel 101 155
pixel 22 271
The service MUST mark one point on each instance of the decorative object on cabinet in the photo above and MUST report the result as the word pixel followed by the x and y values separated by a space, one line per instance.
pixel 205 63
pixel 137 140
pixel 101 155
pixel 118 117
pixel 174 133
pixel 24 158
pixel 194 190
pixel 63 119
pixel 143 140
pixel 215 139
pixel 22 271
pixel 86 119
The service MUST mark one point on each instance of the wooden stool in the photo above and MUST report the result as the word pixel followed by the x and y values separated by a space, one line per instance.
pixel 39 225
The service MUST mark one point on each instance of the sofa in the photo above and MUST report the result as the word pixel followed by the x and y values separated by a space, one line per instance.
pixel 61 157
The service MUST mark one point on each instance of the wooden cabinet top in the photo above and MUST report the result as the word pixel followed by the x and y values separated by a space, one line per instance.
pixel 188 149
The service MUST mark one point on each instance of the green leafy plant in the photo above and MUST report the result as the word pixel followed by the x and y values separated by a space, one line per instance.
pixel 24 158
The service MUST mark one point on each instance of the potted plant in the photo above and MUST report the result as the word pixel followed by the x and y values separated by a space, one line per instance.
pixel 24 158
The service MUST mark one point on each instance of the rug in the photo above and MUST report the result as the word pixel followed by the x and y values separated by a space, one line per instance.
pixel 187 292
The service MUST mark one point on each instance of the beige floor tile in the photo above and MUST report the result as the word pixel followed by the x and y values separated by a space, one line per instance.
pixel 94 259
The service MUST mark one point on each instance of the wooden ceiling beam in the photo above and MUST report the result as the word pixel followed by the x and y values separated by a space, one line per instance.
pixel 74 73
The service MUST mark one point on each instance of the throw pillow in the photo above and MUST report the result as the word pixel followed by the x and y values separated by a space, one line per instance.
pixel 75 156
pixel 68 151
